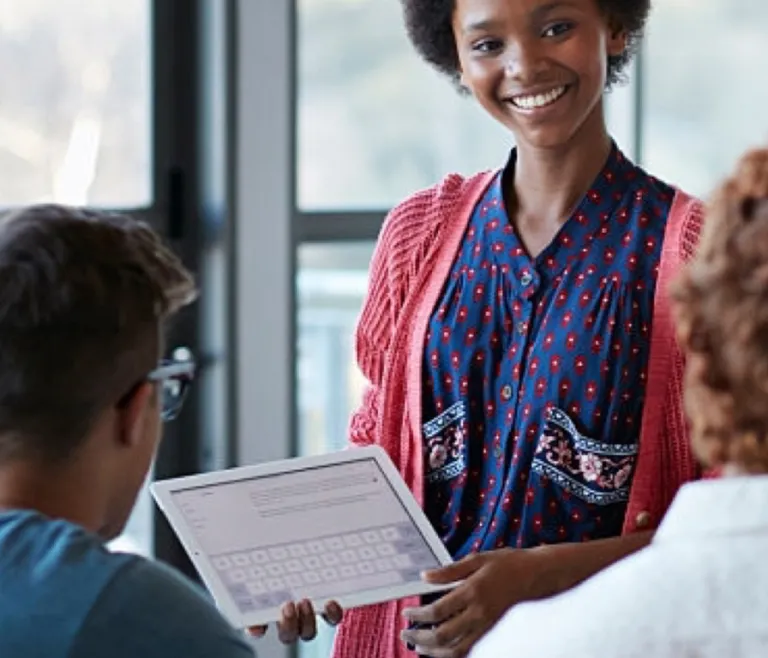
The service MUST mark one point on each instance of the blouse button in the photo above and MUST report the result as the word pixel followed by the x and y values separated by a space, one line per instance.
pixel 521 327
pixel 506 393
pixel 526 279
pixel 643 520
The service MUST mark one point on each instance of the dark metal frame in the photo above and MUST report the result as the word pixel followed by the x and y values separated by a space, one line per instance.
pixel 192 58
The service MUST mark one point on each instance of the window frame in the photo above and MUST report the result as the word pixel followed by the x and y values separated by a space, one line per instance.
pixel 194 64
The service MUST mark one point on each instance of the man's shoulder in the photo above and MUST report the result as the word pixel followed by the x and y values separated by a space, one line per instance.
pixel 51 574
pixel 41 553
pixel 156 612
pixel 143 578
pixel 95 601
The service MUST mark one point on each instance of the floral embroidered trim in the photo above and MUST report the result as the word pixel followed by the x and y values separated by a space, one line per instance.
pixel 599 473
pixel 444 444
pixel 453 413
pixel 562 420
pixel 579 489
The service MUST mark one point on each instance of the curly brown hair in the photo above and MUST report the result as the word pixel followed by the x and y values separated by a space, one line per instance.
pixel 721 307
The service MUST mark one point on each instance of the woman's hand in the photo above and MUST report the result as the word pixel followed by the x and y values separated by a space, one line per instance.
pixel 497 580
pixel 299 622
pixel 492 583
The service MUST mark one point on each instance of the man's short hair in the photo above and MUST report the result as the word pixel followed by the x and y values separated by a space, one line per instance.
pixel 83 298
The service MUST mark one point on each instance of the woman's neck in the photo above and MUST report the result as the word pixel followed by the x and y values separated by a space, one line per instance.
pixel 549 183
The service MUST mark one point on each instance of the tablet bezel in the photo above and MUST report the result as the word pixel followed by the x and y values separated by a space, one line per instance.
pixel 163 491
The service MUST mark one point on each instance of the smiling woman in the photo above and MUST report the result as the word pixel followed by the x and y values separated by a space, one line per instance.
pixel 509 323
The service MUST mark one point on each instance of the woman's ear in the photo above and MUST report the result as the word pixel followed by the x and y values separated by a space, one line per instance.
pixel 617 39
pixel 461 85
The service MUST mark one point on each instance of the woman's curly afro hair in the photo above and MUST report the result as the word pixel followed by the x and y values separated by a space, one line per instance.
pixel 429 26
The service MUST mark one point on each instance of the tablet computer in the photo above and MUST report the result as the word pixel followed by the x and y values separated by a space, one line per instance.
pixel 342 526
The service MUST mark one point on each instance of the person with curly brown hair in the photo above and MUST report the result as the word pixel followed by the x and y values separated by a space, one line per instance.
pixel 701 587
pixel 516 335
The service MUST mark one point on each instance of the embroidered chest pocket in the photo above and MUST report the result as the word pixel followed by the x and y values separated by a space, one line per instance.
pixel 598 473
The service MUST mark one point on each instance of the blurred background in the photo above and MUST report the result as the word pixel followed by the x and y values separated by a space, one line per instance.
pixel 266 139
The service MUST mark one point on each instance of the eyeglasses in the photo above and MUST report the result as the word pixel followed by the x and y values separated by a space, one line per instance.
pixel 175 377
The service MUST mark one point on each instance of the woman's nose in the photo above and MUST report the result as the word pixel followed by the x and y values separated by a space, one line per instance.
pixel 524 62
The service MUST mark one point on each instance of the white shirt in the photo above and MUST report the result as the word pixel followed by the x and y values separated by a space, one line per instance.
pixel 700 590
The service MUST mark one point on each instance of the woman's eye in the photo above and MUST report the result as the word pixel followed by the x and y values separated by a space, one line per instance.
pixel 557 29
pixel 487 46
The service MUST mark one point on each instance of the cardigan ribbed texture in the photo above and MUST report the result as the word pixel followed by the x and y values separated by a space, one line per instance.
pixel 416 248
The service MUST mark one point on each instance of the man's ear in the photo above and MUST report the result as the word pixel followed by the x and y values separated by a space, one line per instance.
pixel 133 413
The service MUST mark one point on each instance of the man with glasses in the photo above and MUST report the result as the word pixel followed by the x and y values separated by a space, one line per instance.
pixel 83 300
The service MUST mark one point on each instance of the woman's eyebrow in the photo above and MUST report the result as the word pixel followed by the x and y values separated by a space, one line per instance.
pixel 538 13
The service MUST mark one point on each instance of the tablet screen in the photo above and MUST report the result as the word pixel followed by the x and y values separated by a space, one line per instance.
pixel 317 533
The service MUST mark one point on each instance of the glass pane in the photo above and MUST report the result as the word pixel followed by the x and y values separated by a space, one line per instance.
pixel 138 536
pixel 704 103
pixel 75 121
pixel 331 283
pixel 390 123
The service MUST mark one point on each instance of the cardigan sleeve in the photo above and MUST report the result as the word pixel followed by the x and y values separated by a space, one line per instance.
pixel 409 232
pixel 676 423
pixel 376 323
pixel 372 337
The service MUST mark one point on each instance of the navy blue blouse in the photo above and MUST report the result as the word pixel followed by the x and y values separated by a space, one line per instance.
pixel 535 369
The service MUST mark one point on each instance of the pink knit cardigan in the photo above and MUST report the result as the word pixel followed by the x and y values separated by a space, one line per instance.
pixel 415 251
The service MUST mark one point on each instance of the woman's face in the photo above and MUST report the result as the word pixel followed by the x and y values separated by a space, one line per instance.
pixel 537 66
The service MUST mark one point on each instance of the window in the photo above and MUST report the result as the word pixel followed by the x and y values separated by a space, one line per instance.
pixel 703 103
pixel 75 122
pixel 137 536
pixel 390 124
pixel 331 282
